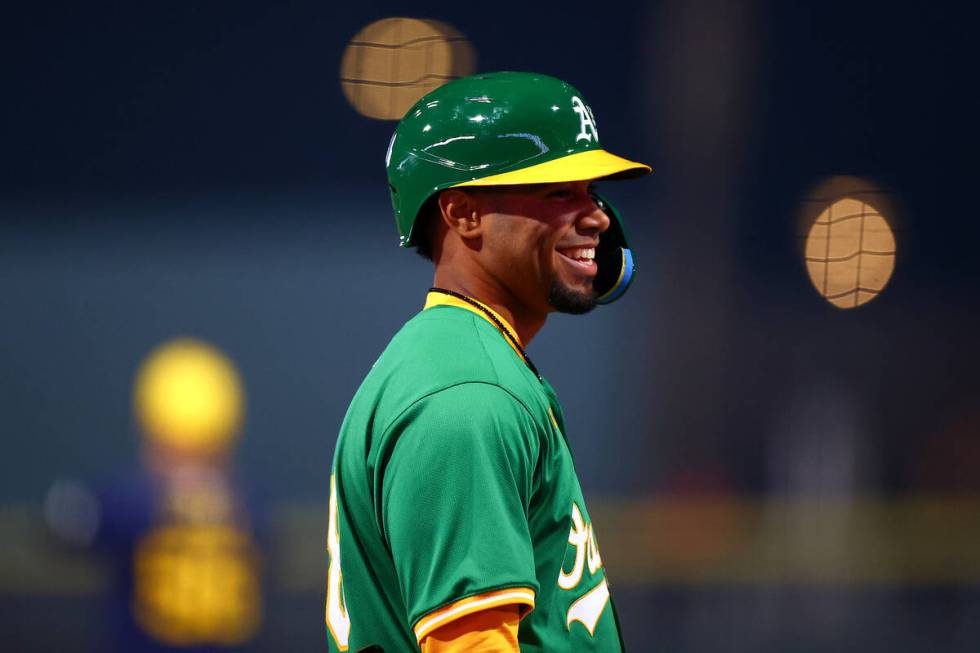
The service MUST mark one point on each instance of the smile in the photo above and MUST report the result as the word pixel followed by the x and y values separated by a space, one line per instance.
pixel 582 259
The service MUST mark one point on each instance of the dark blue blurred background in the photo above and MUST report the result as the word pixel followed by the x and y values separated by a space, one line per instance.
pixel 770 473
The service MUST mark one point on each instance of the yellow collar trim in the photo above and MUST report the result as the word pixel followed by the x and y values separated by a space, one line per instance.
pixel 442 299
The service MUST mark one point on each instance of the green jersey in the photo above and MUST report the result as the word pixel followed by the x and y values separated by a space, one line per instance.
pixel 453 490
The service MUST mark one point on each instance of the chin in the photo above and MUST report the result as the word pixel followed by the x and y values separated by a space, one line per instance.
pixel 570 300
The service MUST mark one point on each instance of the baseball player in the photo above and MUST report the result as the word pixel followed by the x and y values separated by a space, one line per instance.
pixel 456 520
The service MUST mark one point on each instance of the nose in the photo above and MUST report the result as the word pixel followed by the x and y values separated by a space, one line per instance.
pixel 596 219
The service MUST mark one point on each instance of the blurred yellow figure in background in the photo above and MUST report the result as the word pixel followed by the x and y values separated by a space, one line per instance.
pixel 195 571
pixel 188 397
pixel 182 536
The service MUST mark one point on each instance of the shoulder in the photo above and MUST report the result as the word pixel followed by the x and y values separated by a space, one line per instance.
pixel 471 430
pixel 476 406
pixel 445 368
pixel 448 338
pixel 446 346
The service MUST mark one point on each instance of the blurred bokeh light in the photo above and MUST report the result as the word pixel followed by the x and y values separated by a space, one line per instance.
pixel 850 246
pixel 393 62
pixel 188 395
pixel 850 253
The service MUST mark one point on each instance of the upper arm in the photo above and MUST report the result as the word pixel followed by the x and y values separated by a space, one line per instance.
pixel 487 631
pixel 455 497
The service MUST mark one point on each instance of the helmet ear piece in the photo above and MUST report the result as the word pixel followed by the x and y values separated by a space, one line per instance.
pixel 613 256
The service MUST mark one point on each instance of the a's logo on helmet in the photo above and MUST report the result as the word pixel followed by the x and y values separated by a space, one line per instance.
pixel 588 131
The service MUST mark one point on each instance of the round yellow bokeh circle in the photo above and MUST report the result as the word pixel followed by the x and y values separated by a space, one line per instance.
pixel 850 253
pixel 189 396
pixel 393 62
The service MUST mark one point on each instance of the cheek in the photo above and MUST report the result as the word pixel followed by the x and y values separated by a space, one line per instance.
pixel 524 248
pixel 518 240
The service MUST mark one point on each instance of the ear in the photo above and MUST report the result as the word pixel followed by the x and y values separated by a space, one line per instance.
pixel 461 212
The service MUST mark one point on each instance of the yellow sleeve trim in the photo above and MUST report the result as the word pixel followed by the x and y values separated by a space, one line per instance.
pixel 510 596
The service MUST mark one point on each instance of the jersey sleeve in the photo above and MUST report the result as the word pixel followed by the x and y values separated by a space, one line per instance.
pixel 455 496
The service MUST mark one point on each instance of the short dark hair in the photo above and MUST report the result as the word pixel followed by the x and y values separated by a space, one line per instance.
pixel 422 230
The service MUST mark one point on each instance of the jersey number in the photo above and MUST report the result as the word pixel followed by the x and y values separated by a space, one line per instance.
pixel 338 622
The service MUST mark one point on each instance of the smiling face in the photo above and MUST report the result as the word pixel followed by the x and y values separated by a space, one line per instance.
pixel 540 242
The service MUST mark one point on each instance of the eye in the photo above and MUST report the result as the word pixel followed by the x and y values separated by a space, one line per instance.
pixel 560 194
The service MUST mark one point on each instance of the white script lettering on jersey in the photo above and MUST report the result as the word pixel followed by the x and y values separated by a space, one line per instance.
pixel 588 128
pixel 588 608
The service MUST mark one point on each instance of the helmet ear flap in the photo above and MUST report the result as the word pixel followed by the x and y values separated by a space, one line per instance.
pixel 613 256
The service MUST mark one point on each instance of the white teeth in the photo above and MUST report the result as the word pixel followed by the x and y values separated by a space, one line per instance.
pixel 586 253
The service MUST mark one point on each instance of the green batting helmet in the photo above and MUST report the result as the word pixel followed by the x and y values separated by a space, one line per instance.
pixel 507 128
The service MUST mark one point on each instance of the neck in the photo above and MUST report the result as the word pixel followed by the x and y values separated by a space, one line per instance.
pixel 525 322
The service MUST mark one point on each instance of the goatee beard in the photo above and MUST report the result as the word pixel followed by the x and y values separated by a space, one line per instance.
pixel 566 300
